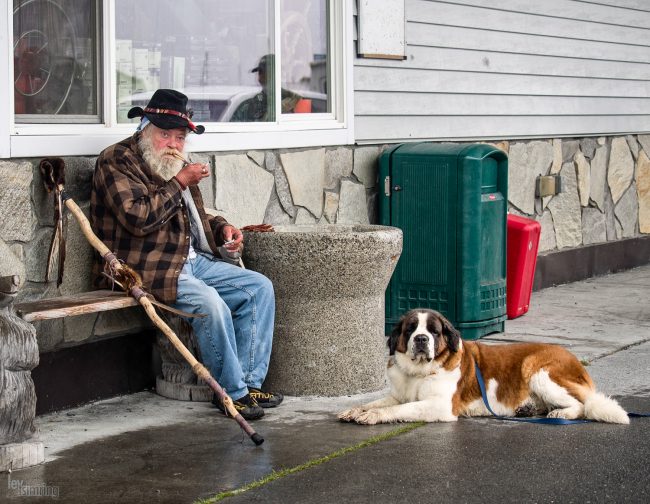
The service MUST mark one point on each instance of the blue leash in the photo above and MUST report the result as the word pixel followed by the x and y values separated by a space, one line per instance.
pixel 545 420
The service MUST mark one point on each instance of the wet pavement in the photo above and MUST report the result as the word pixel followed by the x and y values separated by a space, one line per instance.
pixel 482 460
pixel 144 448
pixel 181 462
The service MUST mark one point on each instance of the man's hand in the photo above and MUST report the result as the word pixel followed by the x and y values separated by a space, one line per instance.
pixel 233 238
pixel 191 174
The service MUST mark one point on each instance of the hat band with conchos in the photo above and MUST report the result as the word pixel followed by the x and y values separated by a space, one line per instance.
pixel 167 109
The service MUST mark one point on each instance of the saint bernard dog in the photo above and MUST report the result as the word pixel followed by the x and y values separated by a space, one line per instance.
pixel 433 379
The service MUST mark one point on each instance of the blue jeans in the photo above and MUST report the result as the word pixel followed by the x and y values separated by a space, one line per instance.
pixel 236 336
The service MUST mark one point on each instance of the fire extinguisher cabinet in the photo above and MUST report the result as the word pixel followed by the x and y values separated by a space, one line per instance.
pixel 450 202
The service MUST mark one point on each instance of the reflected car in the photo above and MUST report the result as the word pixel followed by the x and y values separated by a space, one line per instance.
pixel 221 103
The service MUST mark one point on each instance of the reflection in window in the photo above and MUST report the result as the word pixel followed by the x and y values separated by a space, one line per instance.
pixel 304 73
pixel 204 48
pixel 55 60
pixel 261 107
pixel 304 55
pixel 220 54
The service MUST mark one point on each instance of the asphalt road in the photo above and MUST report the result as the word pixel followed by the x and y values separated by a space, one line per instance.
pixel 488 460
pixel 474 460
pixel 144 448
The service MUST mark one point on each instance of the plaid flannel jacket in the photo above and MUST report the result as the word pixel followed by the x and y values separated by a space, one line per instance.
pixel 143 220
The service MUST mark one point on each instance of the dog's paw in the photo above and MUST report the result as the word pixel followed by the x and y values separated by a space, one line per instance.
pixel 526 410
pixel 350 415
pixel 370 417
pixel 570 413
pixel 346 416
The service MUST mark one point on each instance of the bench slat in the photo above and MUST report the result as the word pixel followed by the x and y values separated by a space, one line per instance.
pixel 78 304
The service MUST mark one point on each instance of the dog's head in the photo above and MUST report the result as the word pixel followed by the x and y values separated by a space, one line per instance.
pixel 423 335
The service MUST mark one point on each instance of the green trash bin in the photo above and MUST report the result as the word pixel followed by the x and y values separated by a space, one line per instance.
pixel 450 202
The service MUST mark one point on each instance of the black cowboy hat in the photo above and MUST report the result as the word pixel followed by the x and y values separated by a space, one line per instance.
pixel 167 109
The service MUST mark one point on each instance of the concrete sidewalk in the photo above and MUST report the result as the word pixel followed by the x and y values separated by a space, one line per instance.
pixel 592 318
pixel 143 448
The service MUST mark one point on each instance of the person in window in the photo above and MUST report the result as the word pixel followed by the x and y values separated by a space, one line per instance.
pixel 147 208
pixel 261 106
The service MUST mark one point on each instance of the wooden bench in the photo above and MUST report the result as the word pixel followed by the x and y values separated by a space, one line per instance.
pixel 178 381
pixel 77 304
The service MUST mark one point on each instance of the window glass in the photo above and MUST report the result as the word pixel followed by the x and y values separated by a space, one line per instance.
pixel 304 39
pixel 206 49
pixel 55 69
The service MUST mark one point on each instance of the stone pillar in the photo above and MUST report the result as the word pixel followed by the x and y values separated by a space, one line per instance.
pixel 329 283
pixel 18 356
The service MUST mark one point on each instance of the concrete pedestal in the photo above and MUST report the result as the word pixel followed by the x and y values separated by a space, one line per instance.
pixel 329 283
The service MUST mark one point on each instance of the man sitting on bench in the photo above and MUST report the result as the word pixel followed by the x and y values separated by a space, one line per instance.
pixel 147 208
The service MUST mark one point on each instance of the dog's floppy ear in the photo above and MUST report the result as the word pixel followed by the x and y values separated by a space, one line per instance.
pixel 452 336
pixel 394 336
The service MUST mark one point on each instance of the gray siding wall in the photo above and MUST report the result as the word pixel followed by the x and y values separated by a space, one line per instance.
pixel 479 69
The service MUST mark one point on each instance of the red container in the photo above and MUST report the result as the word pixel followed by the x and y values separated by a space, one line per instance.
pixel 523 242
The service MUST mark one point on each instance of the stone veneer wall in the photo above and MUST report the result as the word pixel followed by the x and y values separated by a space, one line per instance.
pixel 606 197
pixel 605 188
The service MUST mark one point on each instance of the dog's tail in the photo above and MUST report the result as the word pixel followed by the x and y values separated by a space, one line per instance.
pixel 601 408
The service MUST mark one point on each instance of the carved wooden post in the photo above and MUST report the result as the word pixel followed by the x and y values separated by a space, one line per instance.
pixel 178 381
pixel 18 356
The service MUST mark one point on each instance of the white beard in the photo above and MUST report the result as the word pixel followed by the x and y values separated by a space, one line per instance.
pixel 163 165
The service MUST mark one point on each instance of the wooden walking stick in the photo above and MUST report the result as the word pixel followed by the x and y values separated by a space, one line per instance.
pixel 52 170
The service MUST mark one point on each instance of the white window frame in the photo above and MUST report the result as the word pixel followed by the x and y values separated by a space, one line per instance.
pixel 289 131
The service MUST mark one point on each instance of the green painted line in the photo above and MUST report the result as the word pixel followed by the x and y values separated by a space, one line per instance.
pixel 275 475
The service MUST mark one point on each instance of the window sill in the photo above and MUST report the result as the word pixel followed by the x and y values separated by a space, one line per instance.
pixel 90 140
